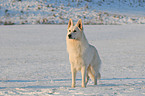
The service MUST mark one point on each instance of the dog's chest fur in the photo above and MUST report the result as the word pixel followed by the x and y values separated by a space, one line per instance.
pixel 76 50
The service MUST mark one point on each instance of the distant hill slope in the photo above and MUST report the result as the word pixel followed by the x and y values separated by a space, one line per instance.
pixel 59 11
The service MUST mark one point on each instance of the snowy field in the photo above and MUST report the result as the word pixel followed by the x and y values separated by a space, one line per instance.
pixel 34 61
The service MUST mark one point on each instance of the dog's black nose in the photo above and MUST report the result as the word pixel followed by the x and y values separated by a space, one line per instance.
pixel 69 35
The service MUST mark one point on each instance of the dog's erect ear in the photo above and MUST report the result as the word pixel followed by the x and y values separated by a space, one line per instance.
pixel 70 23
pixel 79 24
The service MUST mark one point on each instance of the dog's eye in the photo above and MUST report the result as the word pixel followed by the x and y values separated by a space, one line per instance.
pixel 75 31
pixel 69 30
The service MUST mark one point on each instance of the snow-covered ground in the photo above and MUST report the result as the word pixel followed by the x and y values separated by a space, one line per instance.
pixel 34 61
pixel 59 11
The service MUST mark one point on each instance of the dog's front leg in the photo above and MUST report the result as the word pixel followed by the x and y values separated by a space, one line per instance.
pixel 83 72
pixel 73 77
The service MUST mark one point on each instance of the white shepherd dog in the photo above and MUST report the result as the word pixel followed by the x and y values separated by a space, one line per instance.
pixel 82 55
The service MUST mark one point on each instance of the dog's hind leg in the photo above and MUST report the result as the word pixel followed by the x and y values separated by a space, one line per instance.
pixel 94 75
pixel 87 75
pixel 87 79
pixel 97 75
pixel 90 73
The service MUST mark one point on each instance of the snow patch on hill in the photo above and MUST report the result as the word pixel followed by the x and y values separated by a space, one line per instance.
pixel 59 11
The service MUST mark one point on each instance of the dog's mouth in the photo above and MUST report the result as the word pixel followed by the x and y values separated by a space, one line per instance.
pixel 71 38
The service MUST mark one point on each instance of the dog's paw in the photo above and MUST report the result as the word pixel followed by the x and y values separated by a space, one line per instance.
pixel 72 86
pixel 83 86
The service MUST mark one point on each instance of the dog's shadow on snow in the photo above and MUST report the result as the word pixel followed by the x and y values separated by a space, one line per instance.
pixel 122 80
pixel 112 84
pixel 69 80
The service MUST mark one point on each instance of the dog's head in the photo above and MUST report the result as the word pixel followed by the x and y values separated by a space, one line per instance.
pixel 74 32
